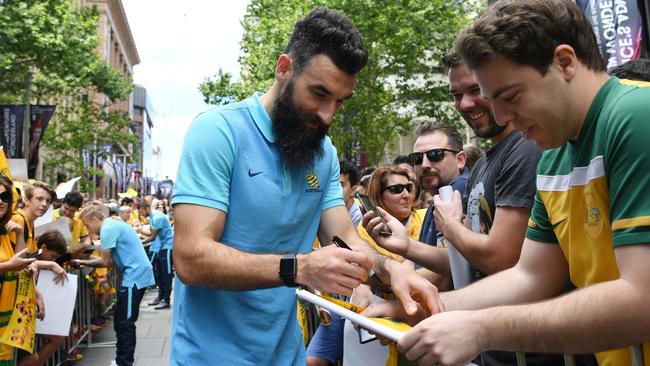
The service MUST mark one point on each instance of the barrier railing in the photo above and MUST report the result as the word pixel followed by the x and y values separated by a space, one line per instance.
pixel 81 329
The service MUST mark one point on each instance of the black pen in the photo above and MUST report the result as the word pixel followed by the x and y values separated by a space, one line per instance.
pixel 341 244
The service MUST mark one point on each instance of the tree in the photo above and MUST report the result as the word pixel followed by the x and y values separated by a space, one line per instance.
pixel 53 44
pixel 405 40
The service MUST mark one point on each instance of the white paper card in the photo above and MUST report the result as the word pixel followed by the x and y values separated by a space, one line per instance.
pixel 59 302
pixel 62 225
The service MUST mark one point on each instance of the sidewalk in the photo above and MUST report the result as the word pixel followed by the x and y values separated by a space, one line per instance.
pixel 153 336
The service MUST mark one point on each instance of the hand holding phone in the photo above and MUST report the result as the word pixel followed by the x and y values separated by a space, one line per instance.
pixel 369 205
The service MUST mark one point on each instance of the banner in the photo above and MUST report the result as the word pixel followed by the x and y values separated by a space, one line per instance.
pixel 40 116
pixel 618 26
pixel 11 122
pixel 21 329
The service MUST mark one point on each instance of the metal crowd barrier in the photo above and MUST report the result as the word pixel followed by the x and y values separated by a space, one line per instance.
pixel 81 329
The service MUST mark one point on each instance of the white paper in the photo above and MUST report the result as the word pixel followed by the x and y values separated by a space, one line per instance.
pixel 45 219
pixel 355 318
pixel 461 271
pixel 61 224
pixel 18 169
pixel 59 302
pixel 355 353
pixel 65 187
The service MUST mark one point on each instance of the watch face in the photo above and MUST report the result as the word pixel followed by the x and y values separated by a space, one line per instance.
pixel 288 270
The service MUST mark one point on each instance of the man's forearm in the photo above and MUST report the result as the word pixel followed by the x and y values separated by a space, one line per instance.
pixel 95 262
pixel 148 239
pixel 429 256
pixel 475 247
pixel 211 264
pixel 604 316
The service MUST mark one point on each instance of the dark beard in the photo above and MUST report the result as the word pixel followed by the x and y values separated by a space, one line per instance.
pixel 493 130
pixel 298 144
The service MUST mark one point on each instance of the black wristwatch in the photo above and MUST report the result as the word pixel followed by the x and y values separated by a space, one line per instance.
pixel 289 270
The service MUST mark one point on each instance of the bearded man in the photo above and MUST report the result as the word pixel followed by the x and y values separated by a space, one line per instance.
pixel 257 181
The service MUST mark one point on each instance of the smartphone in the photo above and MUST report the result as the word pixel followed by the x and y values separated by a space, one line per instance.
pixel 36 255
pixel 89 250
pixel 369 205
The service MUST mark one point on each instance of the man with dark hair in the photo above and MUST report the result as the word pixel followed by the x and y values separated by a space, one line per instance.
pixel 237 254
pixel 71 204
pixel 439 160
pixel 538 64
pixel 638 69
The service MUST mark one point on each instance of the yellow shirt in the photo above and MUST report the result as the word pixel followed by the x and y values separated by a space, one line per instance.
pixel 135 216
pixel 78 231
pixel 413 227
pixel 28 231
pixel 8 284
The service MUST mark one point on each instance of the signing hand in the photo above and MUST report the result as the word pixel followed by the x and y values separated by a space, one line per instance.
pixel 333 269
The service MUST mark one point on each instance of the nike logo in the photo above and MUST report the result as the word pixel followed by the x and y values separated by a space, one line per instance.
pixel 252 173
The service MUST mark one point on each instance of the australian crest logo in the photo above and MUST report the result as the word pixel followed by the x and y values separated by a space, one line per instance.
pixel 312 181
pixel 593 223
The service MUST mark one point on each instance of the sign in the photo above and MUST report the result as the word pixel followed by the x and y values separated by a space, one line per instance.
pixel 40 116
pixel 618 26
pixel 11 122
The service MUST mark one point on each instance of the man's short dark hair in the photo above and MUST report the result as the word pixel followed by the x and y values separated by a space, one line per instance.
pixel 401 159
pixel 143 205
pixel 54 241
pixel 638 69
pixel 127 201
pixel 350 170
pixel 527 32
pixel 453 138
pixel 73 199
pixel 451 60
pixel 325 31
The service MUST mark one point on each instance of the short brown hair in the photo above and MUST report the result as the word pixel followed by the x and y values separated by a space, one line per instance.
pixel 451 60
pixel 29 189
pixel 379 179
pixel 54 241
pixel 527 32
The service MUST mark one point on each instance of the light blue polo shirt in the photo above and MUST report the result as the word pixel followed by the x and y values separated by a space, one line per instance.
pixel 127 252
pixel 230 163
pixel 165 234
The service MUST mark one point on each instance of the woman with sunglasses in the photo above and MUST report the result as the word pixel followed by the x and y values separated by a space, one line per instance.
pixel 390 188
pixel 10 263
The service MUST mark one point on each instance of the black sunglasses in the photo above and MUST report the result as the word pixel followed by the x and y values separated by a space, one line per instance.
pixel 434 156
pixel 5 196
pixel 399 188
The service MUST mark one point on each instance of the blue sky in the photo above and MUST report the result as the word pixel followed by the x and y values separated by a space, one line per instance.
pixel 180 43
